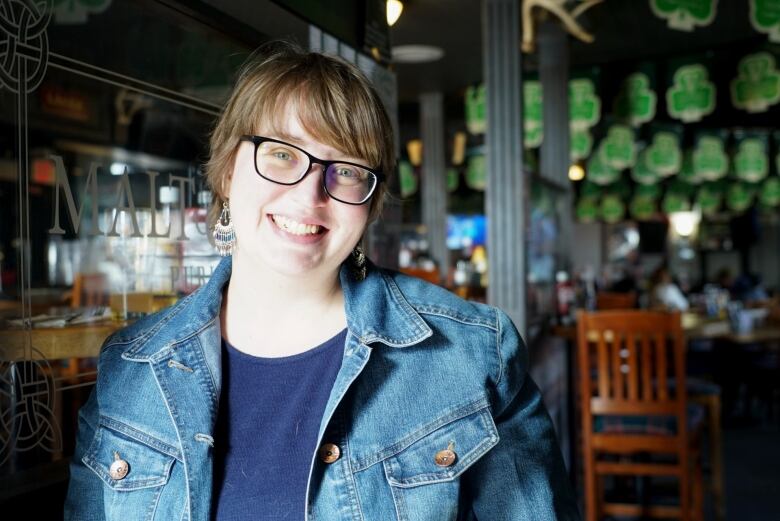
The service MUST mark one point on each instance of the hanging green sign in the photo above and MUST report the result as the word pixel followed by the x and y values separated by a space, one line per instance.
pixel 652 191
pixel 685 15
pixel 710 161
pixel 476 115
pixel 533 130
pixel 739 197
pixel 765 18
pixel 636 102
pixel 407 178
pixel 675 202
pixel 452 179
pixel 618 149
pixel 587 210
pixel 757 85
pixel 687 173
pixel 770 192
pixel 664 156
pixel 642 208
pixel 584 104
pixel 612 208
pixel 751 163
pixel 600 173
pixel 641 173
pixel 580 144
pixel 692 95
pixel 708 200
pixel 476 172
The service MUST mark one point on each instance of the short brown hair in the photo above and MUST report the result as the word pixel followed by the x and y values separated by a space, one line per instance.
pixel 335 103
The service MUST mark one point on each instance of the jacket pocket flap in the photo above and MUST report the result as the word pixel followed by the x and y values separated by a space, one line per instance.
pixel 147 467
pixel 468 438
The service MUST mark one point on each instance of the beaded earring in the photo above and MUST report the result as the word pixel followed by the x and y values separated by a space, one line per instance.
pixel 358 263
pixel 225 232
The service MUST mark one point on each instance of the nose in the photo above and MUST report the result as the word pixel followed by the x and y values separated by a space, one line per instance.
pixel 310 190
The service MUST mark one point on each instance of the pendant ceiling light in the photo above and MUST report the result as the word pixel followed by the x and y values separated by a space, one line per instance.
pixel 394 9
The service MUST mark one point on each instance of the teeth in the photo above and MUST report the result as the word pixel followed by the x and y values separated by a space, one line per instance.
pixel 294 227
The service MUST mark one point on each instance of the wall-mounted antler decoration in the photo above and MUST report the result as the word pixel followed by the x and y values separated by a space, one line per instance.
pixel 558 8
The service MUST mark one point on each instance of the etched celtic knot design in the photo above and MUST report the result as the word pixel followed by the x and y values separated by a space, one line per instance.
pixel 27 418
pixel 24 45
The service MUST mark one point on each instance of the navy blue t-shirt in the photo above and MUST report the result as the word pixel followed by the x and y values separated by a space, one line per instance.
pixel 269 416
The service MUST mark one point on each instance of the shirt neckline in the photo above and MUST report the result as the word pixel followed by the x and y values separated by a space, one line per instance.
pixel 274 360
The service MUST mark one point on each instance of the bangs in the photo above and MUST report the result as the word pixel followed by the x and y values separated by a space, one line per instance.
pixel 327 109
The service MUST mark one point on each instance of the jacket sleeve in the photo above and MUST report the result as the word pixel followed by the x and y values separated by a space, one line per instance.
pixel 84 501
pixel 523 477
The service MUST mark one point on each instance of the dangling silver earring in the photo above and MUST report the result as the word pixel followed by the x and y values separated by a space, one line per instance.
pixel 225 232
pixel 358 263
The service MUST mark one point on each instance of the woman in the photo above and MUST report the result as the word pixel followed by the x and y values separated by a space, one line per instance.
pixel 664 293
pixel 302 382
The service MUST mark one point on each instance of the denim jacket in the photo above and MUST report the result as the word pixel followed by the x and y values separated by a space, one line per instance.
pixel 423 371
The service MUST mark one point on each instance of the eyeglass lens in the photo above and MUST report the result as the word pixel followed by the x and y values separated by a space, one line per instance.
pixel 286 164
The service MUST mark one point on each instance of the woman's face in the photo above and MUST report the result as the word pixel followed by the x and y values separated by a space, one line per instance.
pixel 268 216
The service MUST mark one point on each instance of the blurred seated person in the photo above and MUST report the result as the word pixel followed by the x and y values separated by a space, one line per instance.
pixel 748 288
pixel 664 293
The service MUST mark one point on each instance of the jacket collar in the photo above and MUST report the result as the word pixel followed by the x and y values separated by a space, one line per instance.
pixel 376 311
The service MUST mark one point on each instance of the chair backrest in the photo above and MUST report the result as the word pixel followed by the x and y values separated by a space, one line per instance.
pixel 632 363
pixel 607 300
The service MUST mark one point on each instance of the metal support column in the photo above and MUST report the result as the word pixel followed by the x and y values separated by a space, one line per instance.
pixel 434 177
pixel 505 192
pixel 555 156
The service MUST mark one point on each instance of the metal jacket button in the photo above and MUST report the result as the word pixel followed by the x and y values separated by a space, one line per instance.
pixel 119 468
pixel 329 452
pixel 446 457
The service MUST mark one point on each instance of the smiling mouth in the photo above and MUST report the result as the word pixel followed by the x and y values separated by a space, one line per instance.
pixel 296 228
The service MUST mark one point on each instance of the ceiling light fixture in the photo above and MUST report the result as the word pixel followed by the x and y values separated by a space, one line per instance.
pixel 576 172
pixel 394 9
pixel 416 53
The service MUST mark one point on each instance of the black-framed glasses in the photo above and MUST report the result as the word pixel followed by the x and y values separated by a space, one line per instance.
pixel 287 164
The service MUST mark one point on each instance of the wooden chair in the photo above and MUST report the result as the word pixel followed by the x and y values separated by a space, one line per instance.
pixel 631 366
pixel 607 300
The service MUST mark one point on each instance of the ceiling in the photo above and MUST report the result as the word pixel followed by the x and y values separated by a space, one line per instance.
pixel 625 30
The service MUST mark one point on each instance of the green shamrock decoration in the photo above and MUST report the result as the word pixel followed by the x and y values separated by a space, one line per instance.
pixel 587 210
pixel 533 131
pixel 739 197
pixel 453 179
pixel 618 149
pixel 687 173
pixel 757 86
pixel 664 156
pixel 407 178
pixel 476 171
pixel 751 163
pixel 710 161
pixel 635 103
pixel 652 191
pixel 590 189
pixel 675 202
pixel 612 208
pixel 685 15
pixel 476 115
pixel 765 18
pixel 708 200
pixel 584 104
pixel 770 192
pixel 642 207
pixel 692 95
pixel 642 173
pixel 599 172
pixel 580 144
pixel 77 11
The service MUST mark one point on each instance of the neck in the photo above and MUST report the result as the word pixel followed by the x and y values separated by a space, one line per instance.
pixel 265 308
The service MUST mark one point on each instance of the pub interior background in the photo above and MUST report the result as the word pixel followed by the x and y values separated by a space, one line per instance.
pixel 551 153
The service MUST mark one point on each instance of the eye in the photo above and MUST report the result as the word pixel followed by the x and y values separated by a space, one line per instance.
pixel 282 155
pixel 345 171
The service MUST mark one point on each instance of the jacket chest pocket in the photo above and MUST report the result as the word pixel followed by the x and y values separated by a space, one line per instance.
pixel 134 472
pixel 424 477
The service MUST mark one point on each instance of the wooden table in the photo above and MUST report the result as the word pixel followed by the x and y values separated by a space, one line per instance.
pixel 55 343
